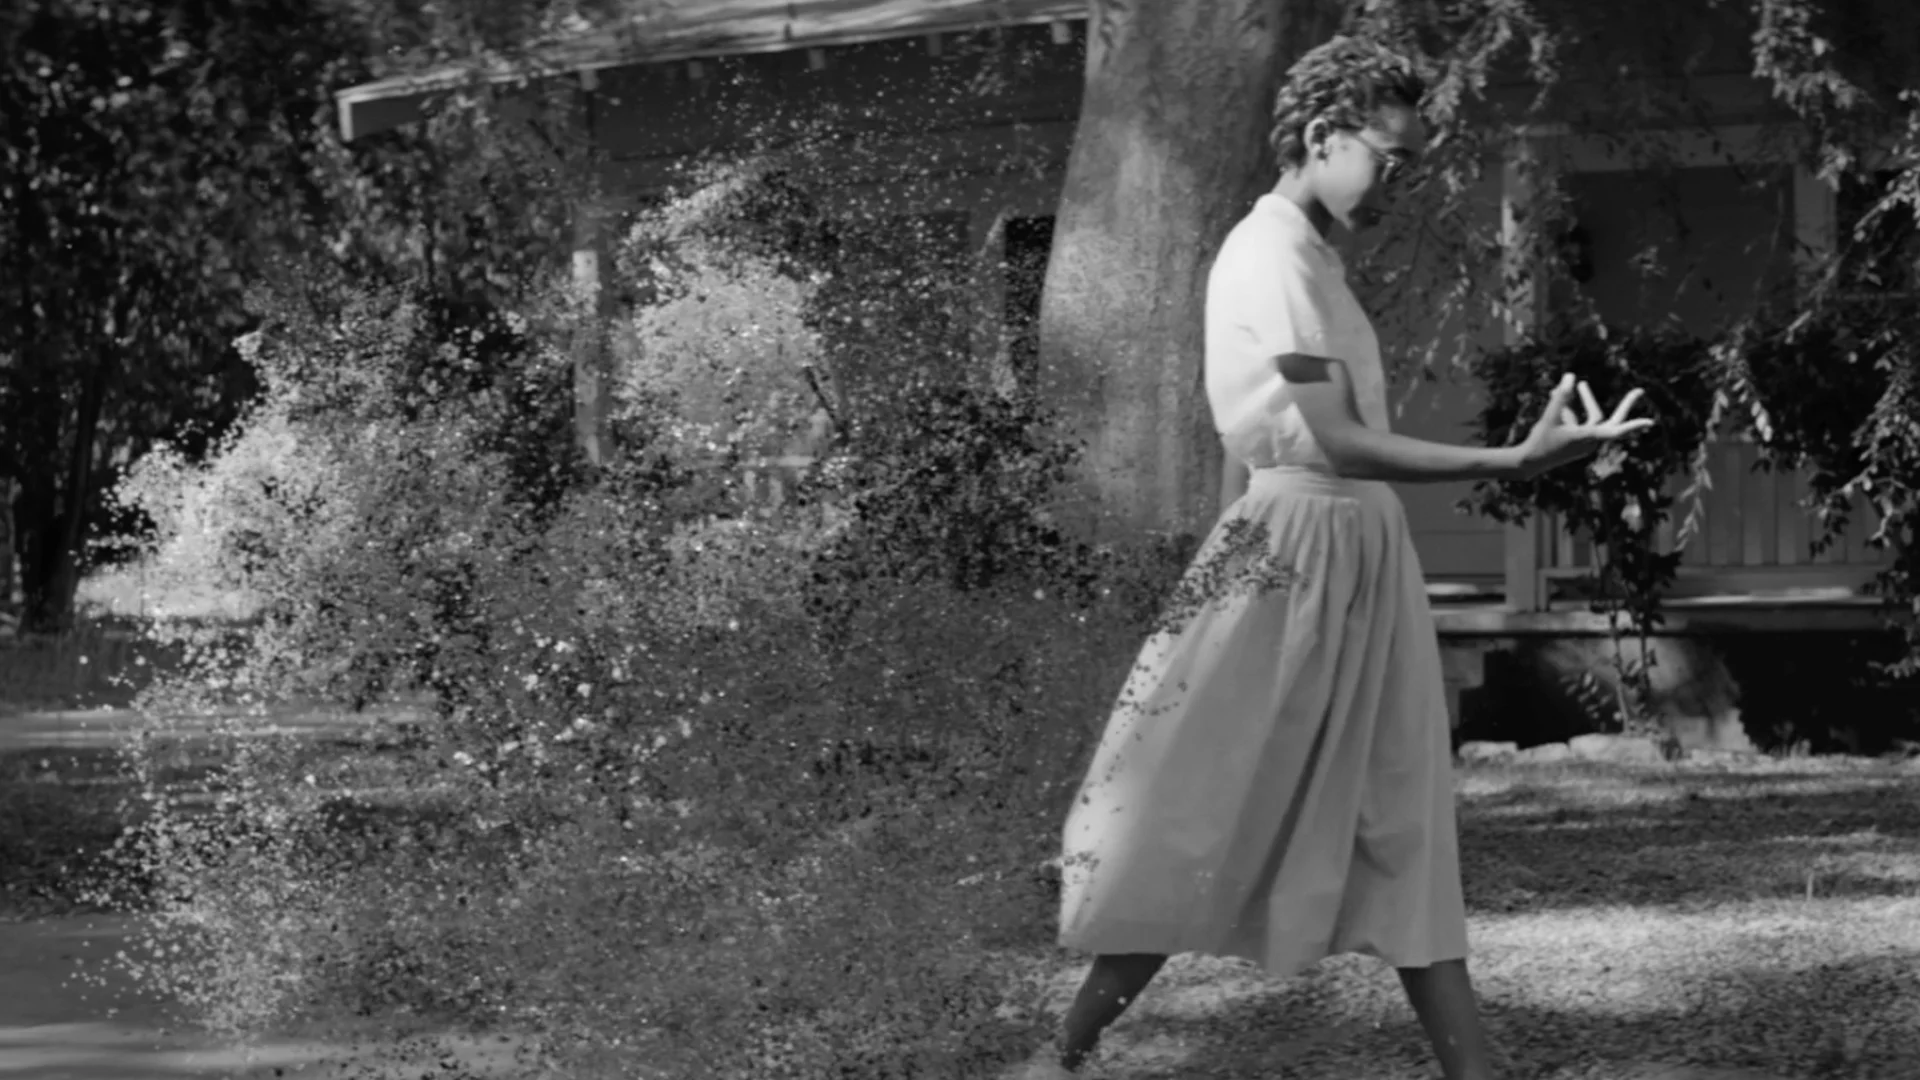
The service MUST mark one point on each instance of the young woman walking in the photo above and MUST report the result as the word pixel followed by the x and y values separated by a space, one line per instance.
pixel 1276 783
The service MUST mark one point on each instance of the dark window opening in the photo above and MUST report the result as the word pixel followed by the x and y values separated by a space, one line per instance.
pixel 892 312
pixel 1029 242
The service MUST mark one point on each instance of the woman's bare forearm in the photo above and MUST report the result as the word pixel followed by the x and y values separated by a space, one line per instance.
pixel 1366 453
pixel 1323 392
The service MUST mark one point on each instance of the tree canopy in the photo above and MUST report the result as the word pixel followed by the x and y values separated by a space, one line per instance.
pixel 166 159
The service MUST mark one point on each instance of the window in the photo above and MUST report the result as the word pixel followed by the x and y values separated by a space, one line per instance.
pixel 1029 242
pixel 893 312
pixel 903 272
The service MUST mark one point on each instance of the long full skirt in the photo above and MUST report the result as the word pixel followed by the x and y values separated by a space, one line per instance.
pixel 1276 780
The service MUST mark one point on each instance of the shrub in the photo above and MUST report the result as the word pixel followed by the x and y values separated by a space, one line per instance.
pixel 1836 392
pixel 218 527
pixel 1620 500
pixel 714 788
pixel 1823 390
pixel 722 349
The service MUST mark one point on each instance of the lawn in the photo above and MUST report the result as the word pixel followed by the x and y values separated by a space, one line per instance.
pixel 1765 915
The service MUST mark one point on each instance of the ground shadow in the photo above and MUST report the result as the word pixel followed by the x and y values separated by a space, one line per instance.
pixel 1854 1019
pixel 1707 840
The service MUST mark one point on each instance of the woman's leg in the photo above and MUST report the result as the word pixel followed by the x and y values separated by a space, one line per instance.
pixel 1442 996
pixel 1110 987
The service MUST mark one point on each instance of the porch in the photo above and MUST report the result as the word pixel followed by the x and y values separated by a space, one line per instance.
pixel 1752 552
pixel 1753 548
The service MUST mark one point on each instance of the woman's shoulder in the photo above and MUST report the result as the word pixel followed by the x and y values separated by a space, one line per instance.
pixel 1261 255
pixel 1255 270
pixel 1266 234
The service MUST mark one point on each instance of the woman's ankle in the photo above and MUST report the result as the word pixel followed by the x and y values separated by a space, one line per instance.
pixel 1071 1055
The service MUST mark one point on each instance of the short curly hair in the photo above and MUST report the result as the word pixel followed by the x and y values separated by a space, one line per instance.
pixel 1343 81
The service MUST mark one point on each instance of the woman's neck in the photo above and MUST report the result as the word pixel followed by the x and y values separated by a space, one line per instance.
pixel 1294 188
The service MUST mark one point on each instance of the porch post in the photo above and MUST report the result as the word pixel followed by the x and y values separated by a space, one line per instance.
pixel 1524 282
pixel 987 236
pixel 590 391
pixel 590 258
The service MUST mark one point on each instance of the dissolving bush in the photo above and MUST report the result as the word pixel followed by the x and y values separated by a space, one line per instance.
pixel 755 794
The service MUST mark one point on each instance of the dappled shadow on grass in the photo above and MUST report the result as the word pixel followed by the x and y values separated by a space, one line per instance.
pixel 1686 840
pixel 1621 918
pixel 1827 990
pixel 1850 1018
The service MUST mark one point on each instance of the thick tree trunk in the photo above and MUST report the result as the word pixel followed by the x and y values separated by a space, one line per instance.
pixel 1171 150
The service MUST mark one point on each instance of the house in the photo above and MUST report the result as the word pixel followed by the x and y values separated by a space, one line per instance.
pixel 987 163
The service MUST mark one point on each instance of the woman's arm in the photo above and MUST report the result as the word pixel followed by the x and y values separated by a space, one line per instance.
pixel 1323 393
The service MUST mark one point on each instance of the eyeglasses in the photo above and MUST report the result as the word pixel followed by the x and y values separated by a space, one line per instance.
pixel 1394 164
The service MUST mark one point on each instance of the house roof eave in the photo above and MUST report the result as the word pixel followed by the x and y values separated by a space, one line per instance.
pixel 704 30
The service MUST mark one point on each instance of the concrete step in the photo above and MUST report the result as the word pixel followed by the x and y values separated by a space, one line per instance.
pixel 78 729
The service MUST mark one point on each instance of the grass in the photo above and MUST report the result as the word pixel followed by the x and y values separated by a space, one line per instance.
pixel 1765 917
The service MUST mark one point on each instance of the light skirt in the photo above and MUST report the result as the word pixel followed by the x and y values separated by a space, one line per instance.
pixel 1276 780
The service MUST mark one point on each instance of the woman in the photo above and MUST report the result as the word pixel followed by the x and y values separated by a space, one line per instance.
pixel 1276 783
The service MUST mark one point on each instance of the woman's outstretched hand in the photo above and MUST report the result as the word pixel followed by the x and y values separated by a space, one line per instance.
pixel 1561 437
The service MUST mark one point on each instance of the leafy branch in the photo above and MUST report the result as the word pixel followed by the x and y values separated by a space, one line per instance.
pixel 1618 502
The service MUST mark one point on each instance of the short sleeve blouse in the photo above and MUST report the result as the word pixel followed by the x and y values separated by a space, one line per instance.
pixel 1277 287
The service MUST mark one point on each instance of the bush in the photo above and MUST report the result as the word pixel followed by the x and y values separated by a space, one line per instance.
pixel 1826 390
pixel 1836 392
pixel 712 787
pixel 1619 501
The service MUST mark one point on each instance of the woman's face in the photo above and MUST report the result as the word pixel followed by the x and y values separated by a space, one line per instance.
pixel 1357 174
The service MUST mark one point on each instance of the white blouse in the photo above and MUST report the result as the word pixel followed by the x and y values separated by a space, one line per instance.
pixel 1278 287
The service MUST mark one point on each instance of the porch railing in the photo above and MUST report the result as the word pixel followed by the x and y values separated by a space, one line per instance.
pixel 767 481
pixel 1755 538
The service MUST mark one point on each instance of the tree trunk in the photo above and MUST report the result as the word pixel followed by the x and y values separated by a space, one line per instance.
pixel 7 544
pixel 50 578
pixel 37 517
pixel 1171 150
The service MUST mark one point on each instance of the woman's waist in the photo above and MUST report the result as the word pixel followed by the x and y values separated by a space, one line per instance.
pixel 1313 480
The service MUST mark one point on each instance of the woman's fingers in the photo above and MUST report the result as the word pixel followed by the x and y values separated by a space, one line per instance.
pixel 1562 393
pixel 1626 406
pixel 1594 414
pixel 1619 429
pixel 1597 424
